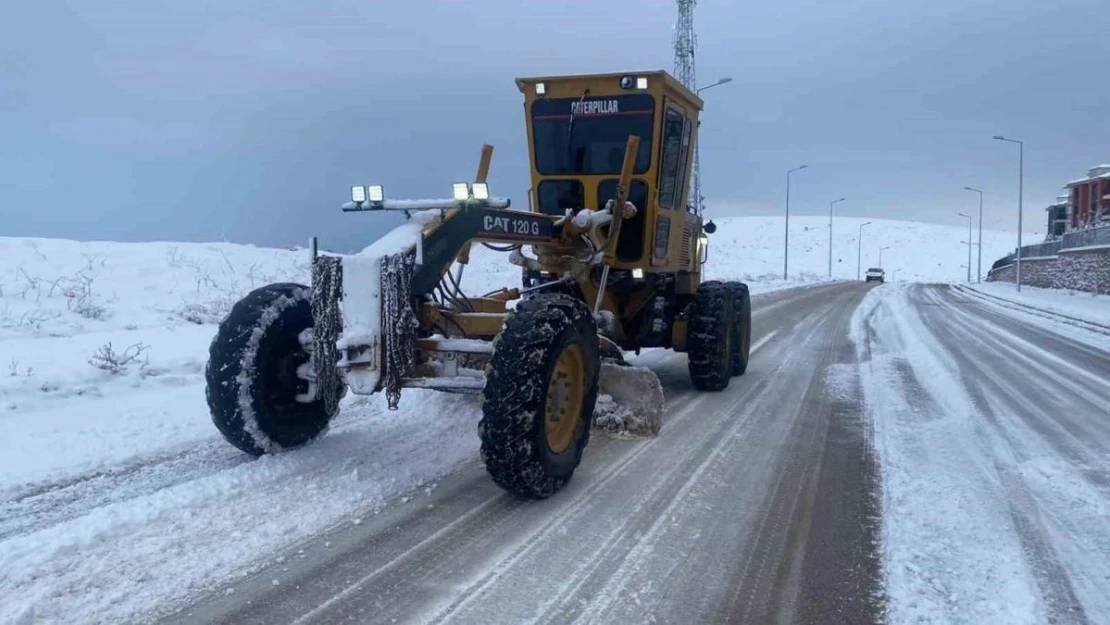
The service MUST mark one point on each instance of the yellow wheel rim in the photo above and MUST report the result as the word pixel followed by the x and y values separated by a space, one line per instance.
pixel 565 395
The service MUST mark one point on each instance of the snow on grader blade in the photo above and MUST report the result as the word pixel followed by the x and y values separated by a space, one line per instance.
pixel 612 259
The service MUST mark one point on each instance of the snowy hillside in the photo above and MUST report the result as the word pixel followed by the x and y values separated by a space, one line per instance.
pixel 920 252
pixel 109 462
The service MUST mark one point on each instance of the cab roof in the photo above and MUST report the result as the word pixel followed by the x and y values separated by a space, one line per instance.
pixel 671 83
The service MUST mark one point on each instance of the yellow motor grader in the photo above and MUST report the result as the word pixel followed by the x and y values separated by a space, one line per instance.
pixel 611 261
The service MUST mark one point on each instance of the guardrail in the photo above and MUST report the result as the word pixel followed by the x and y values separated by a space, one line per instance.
pixel 1002 262
pixel 1050 248
pixel 1099 235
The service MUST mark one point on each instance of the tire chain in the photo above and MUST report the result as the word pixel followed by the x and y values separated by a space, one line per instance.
pixel 326 324
pixel 398 321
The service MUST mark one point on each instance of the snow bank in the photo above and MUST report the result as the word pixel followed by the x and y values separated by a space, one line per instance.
pixel 1078 304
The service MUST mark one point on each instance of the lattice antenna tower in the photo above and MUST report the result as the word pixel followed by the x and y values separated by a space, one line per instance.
pixel 685 41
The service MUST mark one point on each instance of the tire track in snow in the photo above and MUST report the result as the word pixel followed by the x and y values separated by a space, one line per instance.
pixel 580 503
pixel 1061 530
pixel 625 539
pixel 951 550
pixel 50 503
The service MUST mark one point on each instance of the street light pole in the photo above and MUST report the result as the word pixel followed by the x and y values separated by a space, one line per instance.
pixel 830 233
pixel 786 237
pixel 859 252
pixel 979 268
pixel 696 187
pixel 881 255
pixel 968 245
pixel 1021 184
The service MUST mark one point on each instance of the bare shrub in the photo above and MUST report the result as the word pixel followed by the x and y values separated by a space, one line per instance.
pixel 211 311
pixel 31 320
pixel 30 284
pixel 107 359
pixel 77 290
pixel 13 369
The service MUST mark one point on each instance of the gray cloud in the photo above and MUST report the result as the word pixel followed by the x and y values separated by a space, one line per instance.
pixel 247 120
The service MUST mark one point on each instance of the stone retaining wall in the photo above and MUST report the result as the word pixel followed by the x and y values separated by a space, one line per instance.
pixel 1080 269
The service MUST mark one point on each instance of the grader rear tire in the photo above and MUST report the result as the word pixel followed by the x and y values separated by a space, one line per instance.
pixel 541 387
pixel 709 335
pixel 742 327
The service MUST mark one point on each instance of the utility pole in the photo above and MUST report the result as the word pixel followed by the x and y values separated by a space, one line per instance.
pixel 830 233
pixel 786 238
pixel 979 268
pixel 859 252
pixel 968 244
pixel 1021 184
pixel 881 255
pixel 698 199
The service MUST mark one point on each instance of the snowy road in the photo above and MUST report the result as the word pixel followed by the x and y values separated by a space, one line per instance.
pixel 993 430
pixel 756 504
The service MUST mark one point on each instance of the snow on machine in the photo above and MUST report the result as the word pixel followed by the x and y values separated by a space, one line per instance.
pixel 615 265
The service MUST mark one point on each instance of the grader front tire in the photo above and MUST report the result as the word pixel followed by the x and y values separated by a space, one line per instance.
pixel 709 336
pixel 541 387
pixel 256 398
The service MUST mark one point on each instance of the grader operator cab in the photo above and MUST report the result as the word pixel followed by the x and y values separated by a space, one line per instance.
pixel 612 258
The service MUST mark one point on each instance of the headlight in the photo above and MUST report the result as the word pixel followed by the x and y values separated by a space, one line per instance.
pixel 541 88
pixel 358 194
pixel 480 190
pixel 641 83
pixel 638 273
pixel 460 191
pixel 375 193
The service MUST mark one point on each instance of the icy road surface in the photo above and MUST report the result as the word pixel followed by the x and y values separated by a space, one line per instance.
pixel 756 504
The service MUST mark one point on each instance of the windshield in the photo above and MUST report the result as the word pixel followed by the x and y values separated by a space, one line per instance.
pixel 588 135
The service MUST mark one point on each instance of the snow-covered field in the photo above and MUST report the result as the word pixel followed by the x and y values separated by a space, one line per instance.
pixel 118 499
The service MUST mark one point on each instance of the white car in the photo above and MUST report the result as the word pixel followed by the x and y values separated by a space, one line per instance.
pixel 875 275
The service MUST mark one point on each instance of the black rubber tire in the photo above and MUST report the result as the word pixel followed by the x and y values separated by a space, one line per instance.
pixel 707 336
pixel 742 327
pixel 514 443
pixel 260 334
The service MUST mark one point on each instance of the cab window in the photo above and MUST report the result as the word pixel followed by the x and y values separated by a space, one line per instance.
pixel 673 158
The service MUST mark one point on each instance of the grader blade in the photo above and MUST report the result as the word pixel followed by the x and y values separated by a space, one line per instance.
pixel 630 401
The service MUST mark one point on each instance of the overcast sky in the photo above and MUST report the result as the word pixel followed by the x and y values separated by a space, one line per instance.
pixel 247 120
